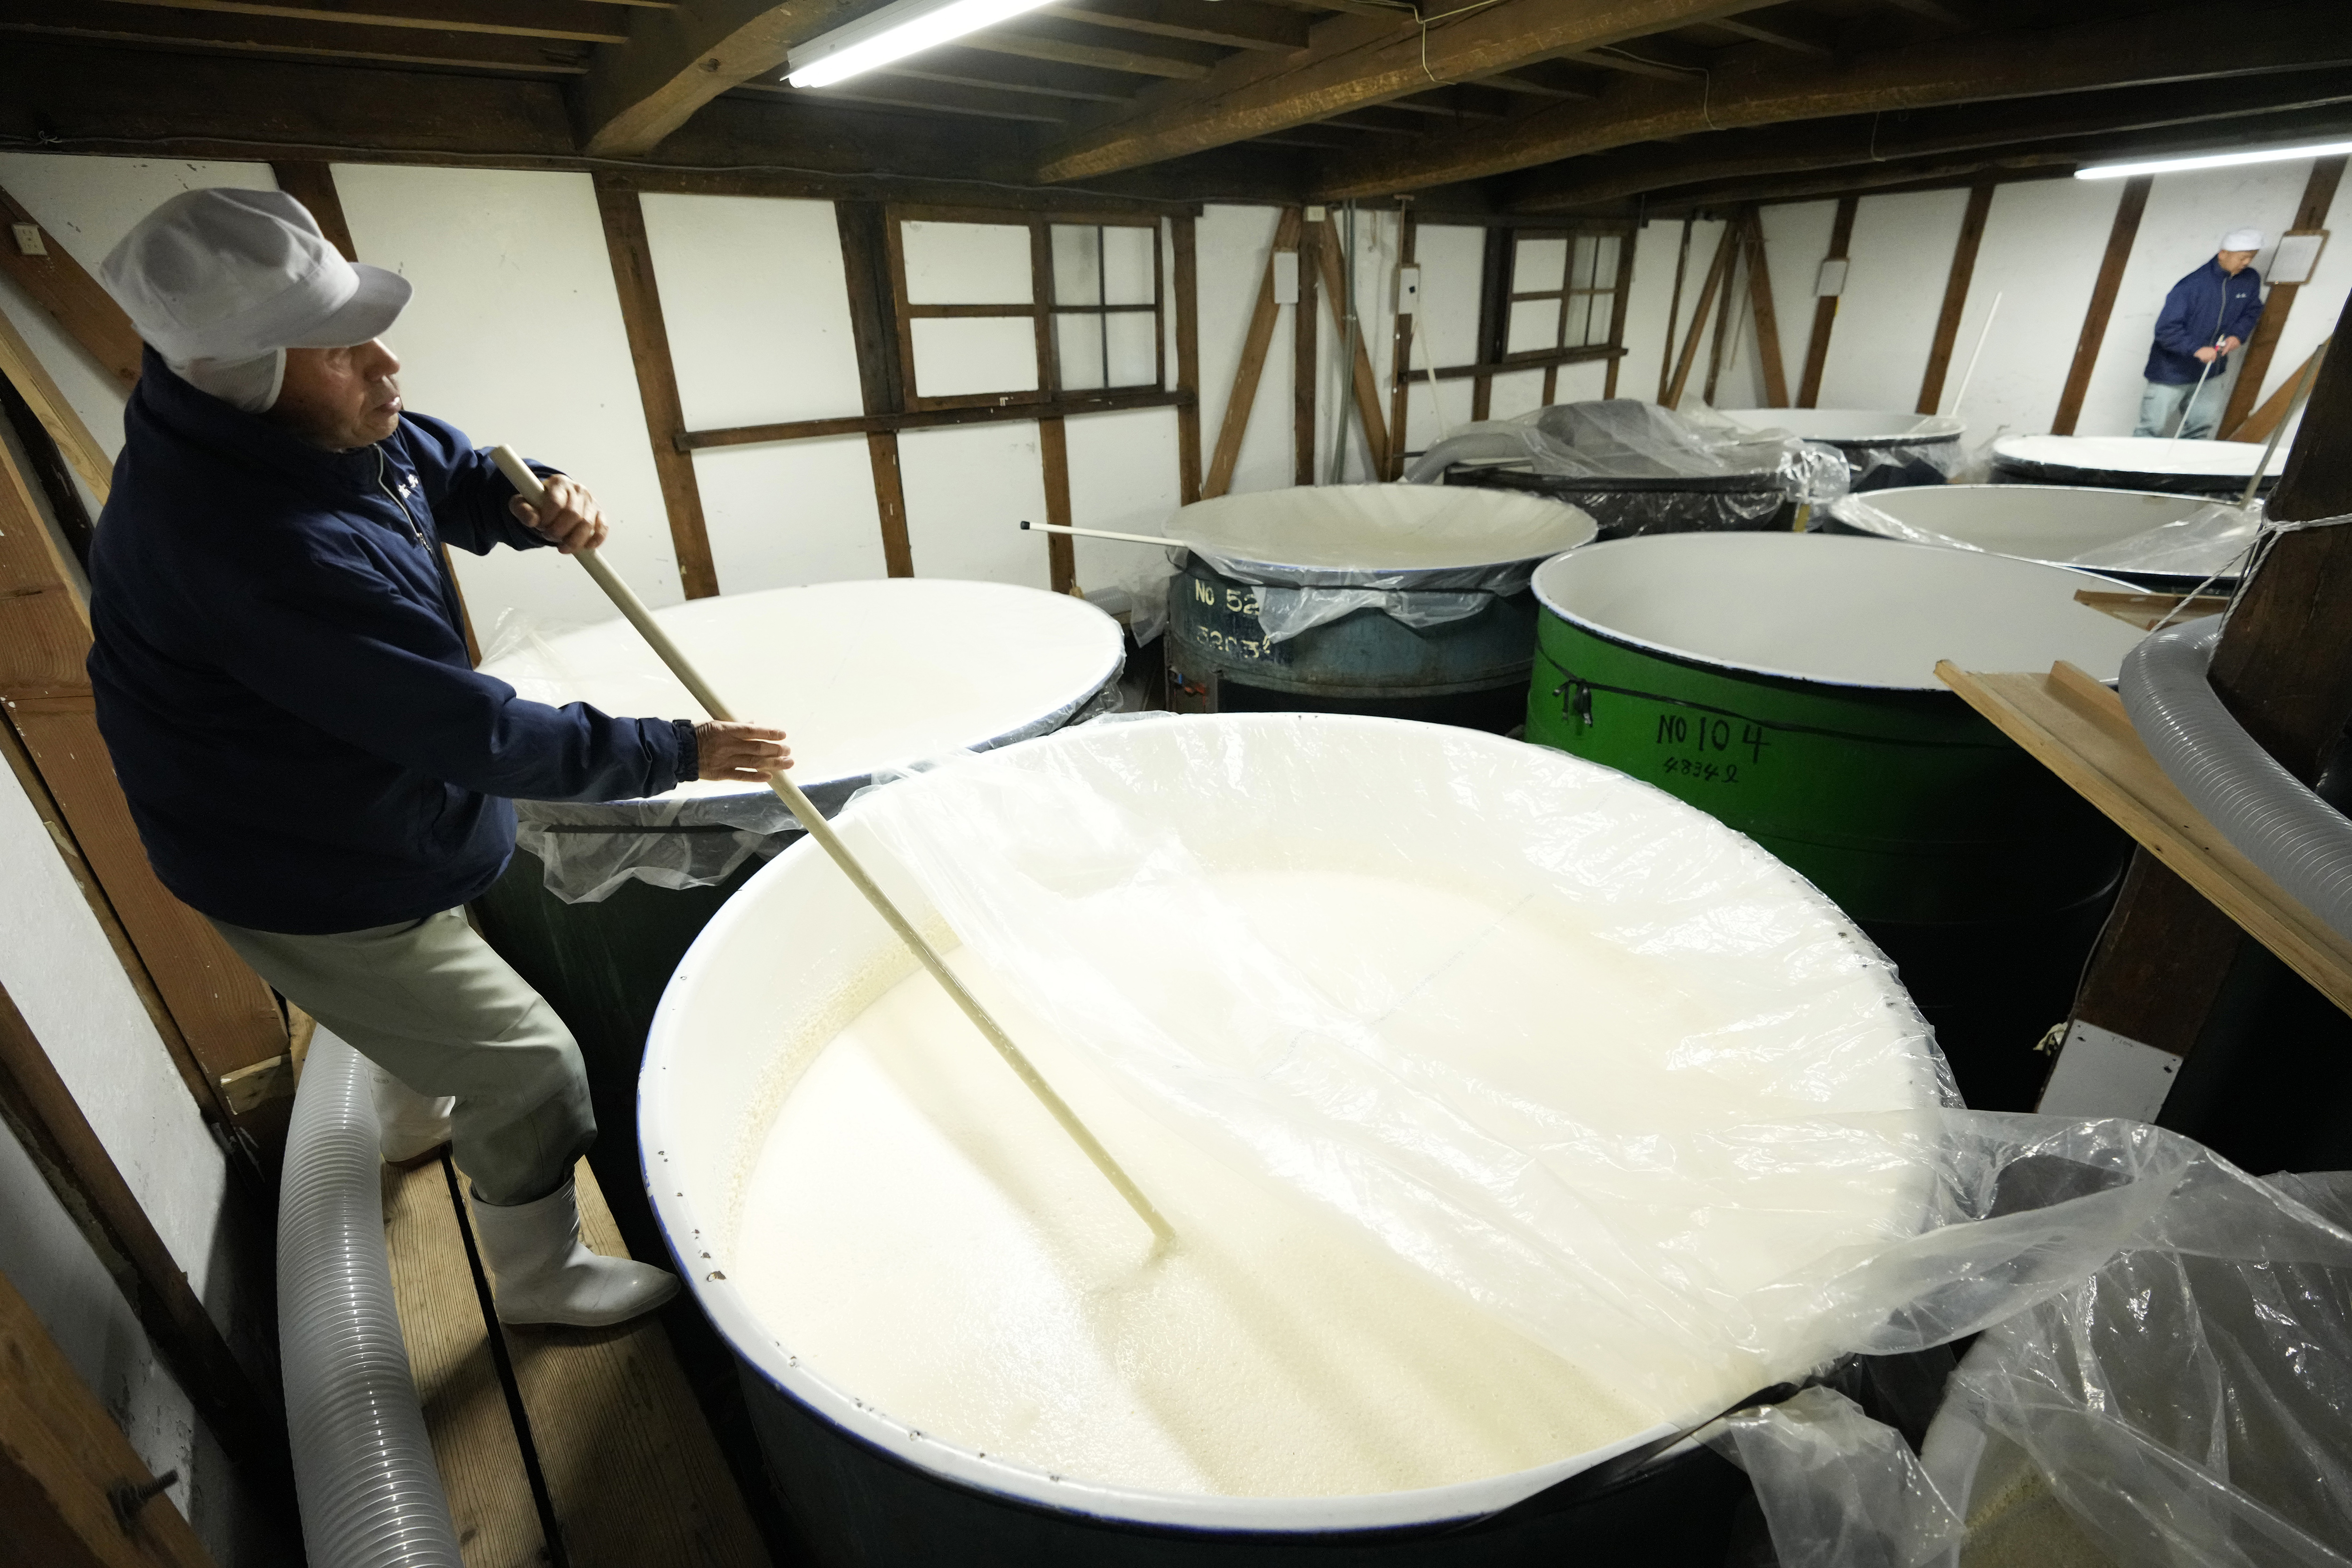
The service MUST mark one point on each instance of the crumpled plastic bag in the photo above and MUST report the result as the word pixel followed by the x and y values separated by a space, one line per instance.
pixel 1623 438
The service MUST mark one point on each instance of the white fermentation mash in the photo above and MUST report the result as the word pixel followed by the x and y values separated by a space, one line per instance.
pixel 899 1233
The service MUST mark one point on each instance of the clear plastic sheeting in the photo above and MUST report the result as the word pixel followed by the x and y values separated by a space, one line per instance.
pixel 1773 1172
pixel 2196 541
pixel 1883 450
pixel 1421 555
pixel 2187 1403
pixel 2211 541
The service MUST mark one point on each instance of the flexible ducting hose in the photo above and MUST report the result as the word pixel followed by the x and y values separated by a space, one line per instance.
pixel 371 1494
pixel 2300 841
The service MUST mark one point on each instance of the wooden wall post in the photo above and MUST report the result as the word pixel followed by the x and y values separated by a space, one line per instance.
pixel 1303 358
pixel 1251 368
pixel 1188 362
pixel 2285 670
pixel 1768 320
pixel 1625 246
pixel 40 1110
pixel 1493 314
pixel 1956 297
pixel 2120 235
pixel 1673 310
pixel 865 265
pixel 63 1462
pixel 85 310
pixel 1826 306
pixel 641 314
pixel 1721 341
pixel 1360 374
pixel 1400 348
pixel 2310 218
pixel 1717 277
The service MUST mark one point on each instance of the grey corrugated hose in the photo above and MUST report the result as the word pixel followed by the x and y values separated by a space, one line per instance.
pixel 371 1493
pixel 2299 840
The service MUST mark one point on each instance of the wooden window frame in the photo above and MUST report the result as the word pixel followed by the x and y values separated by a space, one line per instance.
pixel 1569 289
pixel 1042 309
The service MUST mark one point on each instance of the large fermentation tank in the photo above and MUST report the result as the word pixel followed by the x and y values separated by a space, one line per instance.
pixel 1787 685
pixel 1885 450
pixel 602 900
pixel 2215 468
pixel 2059 525
pixel 1395 601
pixel 959 1347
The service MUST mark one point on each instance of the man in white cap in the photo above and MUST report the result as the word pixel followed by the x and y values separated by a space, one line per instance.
pixel 2206 317
pixel 312 762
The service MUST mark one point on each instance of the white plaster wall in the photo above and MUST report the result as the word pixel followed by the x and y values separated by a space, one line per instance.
pixel 1448 256
pixel 88 204
pixel 514 334
pixel 1902 257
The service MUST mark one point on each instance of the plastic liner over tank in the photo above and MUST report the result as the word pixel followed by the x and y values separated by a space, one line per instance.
pixel 2219 468
pixel 1883 450
pixel 1639 469
pixel 1786 683
pixel 2166 542
pixel 1405 600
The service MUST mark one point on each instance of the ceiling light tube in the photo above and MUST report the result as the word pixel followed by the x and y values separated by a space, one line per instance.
pixel 901 28
pixel 2211 161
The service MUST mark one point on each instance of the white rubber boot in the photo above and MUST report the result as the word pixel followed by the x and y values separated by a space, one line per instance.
pixel 540 1274
pixel 413 1125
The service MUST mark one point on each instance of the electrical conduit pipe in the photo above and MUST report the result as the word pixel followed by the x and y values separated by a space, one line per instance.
pixel 2297 839
pixel 370 1492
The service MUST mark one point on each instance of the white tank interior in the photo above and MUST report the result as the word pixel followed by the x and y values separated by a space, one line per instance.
pixel 2034 523
pixel 1846 611
pixel 1394 527
pixel 884 1222
pixel 860 675
pixel 2136 454
pixel 1848 424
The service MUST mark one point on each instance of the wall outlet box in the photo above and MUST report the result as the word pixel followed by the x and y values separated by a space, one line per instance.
pixel 1830 282
pixel 1408 290
pixel 28 239
pixel 1315 215
pixel 1286 277
pixel 2297 257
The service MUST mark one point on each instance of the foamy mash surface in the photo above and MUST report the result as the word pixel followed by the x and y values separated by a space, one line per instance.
pixel 919 1233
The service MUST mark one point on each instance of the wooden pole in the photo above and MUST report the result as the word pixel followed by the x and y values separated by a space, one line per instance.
pixel 1305 363
pixel 1497 268
pixel 1625 246
pixel 2310 218
pixel 1956 297
pixel 1252 369
pixel 866 265
pixel 641 315
pixel 2120 235
pixel 1367 390
pixel 33 383
pixel 87 314
pixel 1673 309
pixel 1722 339
pixel 1188 362
pixel 1768 320
pixel 1715 280
pixel 813 823
pixel 1400 348
pixel 1826 306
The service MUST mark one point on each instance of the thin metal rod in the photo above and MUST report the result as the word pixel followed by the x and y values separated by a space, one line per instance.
pixel 2295 406
pixel 1970 374
pixel 2191 407
pixel 812 820
pixel 1100 533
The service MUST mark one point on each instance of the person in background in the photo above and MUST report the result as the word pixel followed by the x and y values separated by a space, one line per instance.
pixel 311 758
pixel 2206 317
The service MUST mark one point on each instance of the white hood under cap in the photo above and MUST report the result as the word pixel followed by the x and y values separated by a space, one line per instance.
pixel 220 282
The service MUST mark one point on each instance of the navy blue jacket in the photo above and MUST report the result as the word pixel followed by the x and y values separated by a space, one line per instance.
pixel 2202 309
pixel 282 679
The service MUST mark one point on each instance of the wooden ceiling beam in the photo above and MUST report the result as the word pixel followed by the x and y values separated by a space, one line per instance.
pixel 673 62
pixel 584 20
pixel 1779 40
pixel 1230 24
pixel 1754 86
pixel 134 24
pixel 1353 61
pixel 1869 139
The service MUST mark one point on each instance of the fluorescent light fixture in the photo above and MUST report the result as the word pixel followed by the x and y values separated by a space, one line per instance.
pixel 901 28
pixel 2211 161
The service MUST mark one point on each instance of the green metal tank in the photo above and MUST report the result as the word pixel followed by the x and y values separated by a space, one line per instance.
pixel 1785 683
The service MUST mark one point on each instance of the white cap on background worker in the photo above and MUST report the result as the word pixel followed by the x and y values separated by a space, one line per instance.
pixel 2243 239
pixel 222 282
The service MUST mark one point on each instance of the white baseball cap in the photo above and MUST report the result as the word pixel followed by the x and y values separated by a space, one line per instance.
pixel 2243 239
pixel 230 278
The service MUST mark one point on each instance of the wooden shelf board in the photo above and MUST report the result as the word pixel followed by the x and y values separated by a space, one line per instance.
pixel 2077 727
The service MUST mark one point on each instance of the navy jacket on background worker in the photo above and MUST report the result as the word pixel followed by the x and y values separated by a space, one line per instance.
pixel 2202 309
pixel 279 664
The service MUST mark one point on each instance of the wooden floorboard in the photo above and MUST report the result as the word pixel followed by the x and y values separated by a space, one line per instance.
pixel 631 1466
pixel 457 1381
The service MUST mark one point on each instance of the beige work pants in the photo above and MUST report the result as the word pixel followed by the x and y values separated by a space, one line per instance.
pixel 432 1005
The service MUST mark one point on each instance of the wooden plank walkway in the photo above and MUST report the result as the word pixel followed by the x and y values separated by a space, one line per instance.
pixel 589 1435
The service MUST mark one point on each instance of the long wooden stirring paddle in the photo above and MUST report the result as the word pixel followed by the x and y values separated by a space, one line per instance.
pixel 809 817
